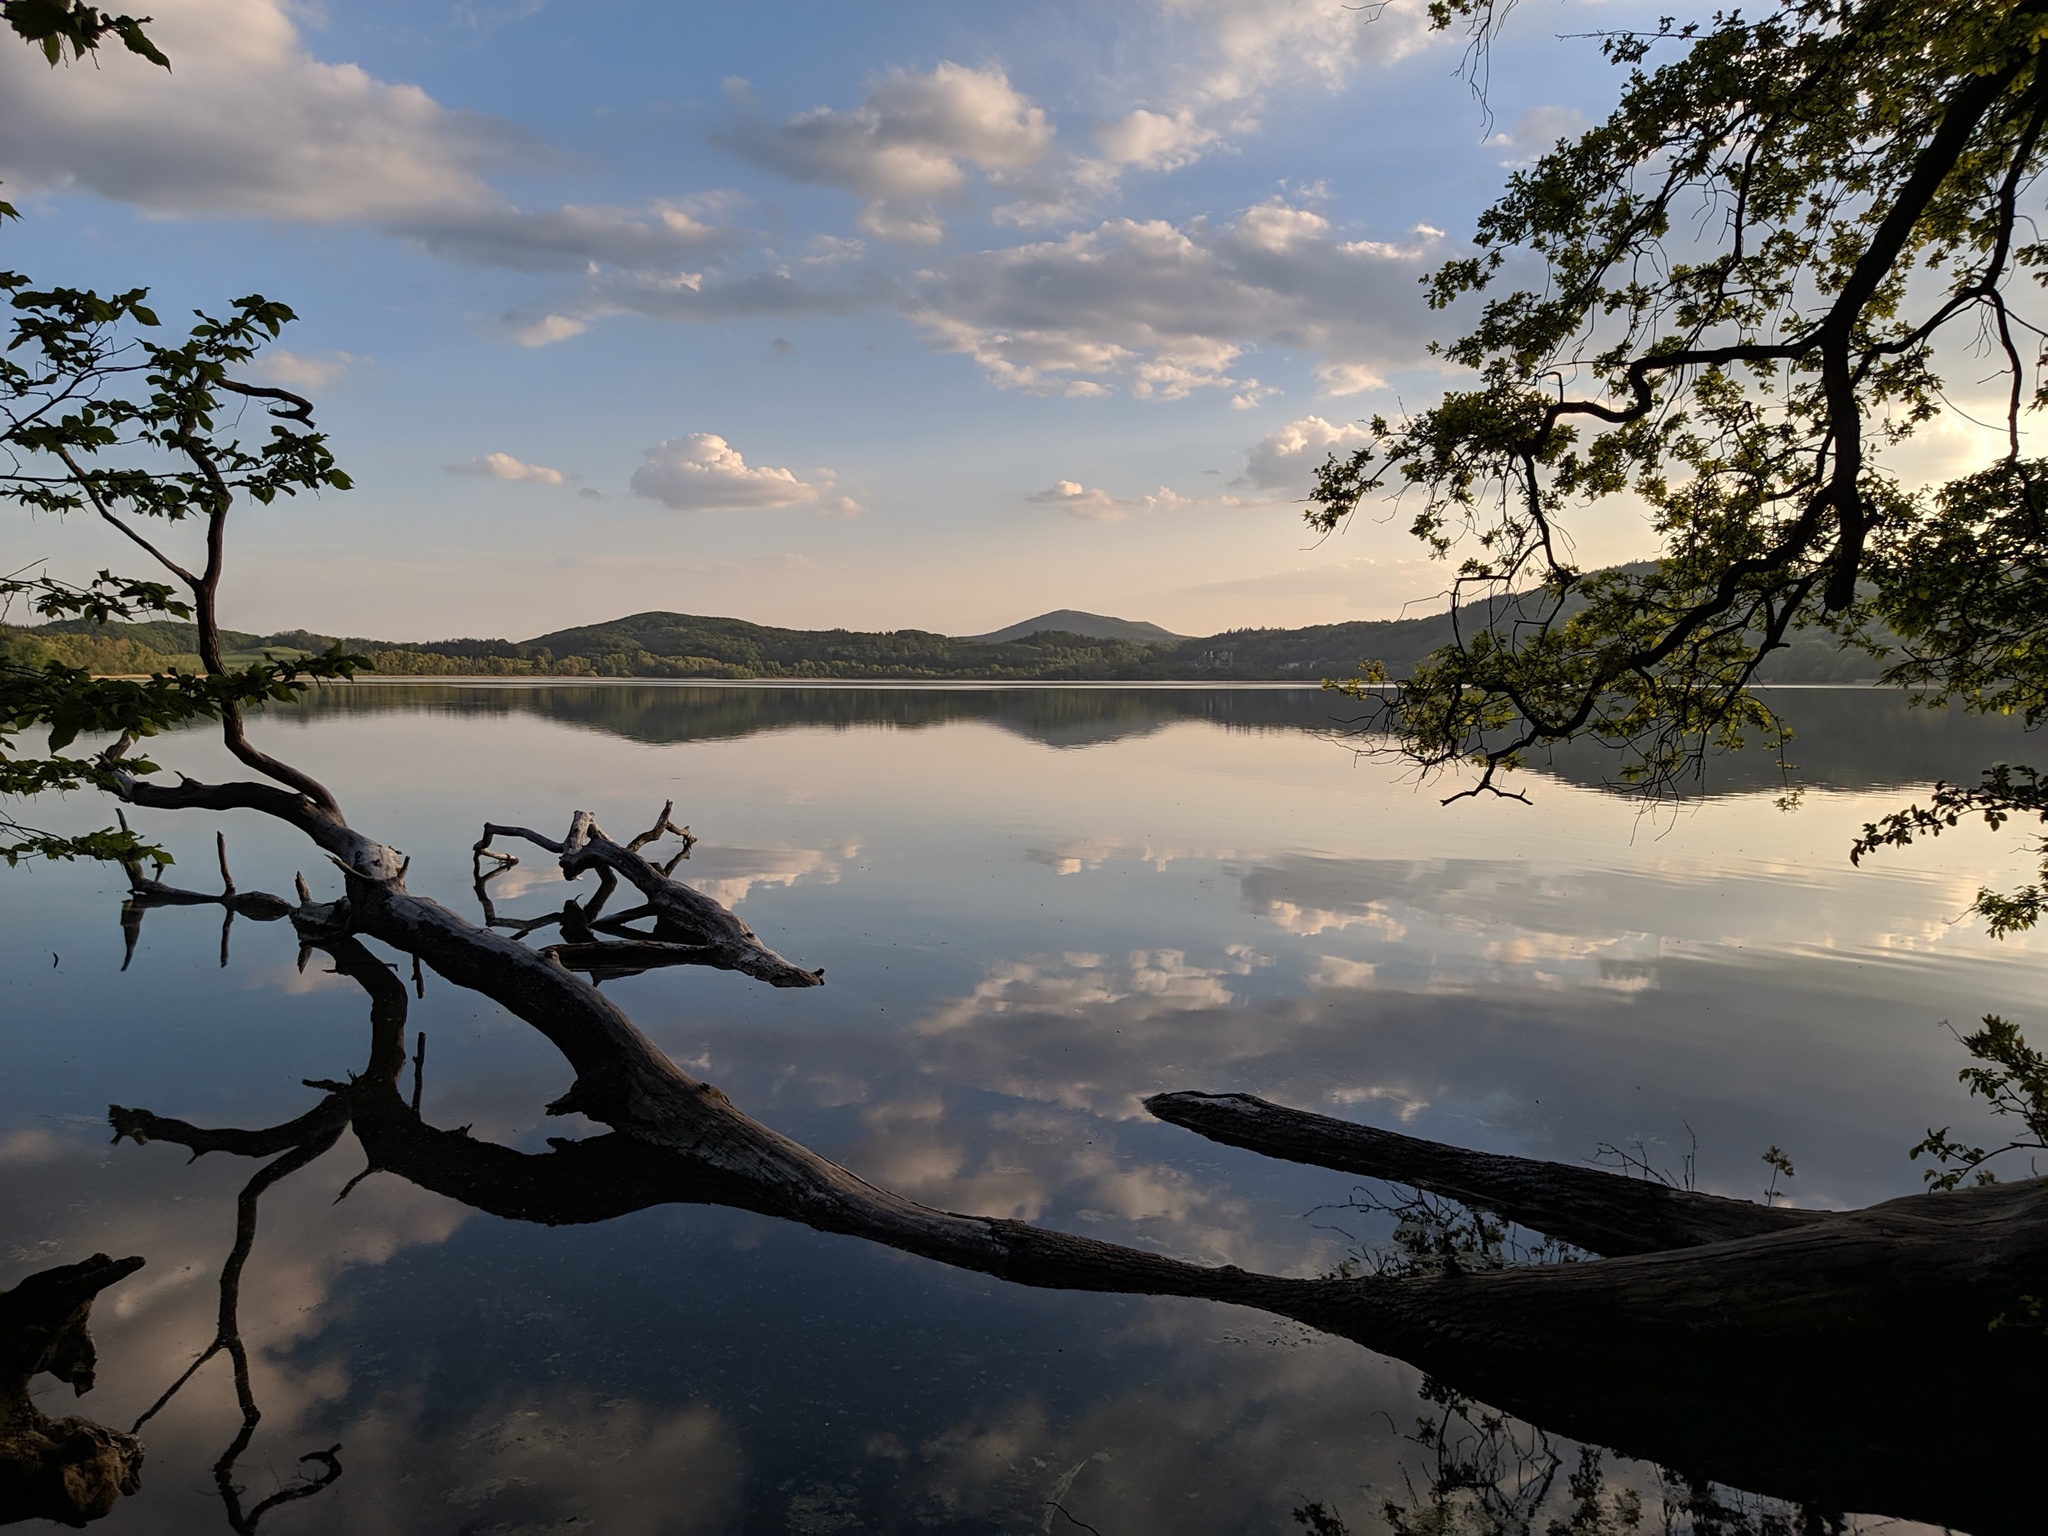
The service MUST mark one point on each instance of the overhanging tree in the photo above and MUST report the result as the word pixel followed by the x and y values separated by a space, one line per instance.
pixel 1755 279
pixel 1758 278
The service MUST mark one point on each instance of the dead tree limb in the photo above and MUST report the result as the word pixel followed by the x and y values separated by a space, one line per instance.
pixel 682 915
pixel 1590 1208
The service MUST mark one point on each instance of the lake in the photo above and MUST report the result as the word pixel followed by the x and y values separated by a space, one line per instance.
pixel 1034 907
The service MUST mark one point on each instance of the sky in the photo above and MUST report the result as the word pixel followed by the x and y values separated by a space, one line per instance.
pixel 883 316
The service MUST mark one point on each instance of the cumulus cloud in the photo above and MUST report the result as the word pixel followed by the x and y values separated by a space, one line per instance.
pixel 543 330
pixel 249 123
pixel 246 122
pixel 702 472
pixel 906 149
pixel 502 466
pixel 1225 58
pixel 1166 309
pixel 1155 141
pixel 1096 505
pixel 299 370
pixel 1249 46
pixel 1286 459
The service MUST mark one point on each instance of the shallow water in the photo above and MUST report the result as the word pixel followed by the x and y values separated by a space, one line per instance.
pixel 1034 906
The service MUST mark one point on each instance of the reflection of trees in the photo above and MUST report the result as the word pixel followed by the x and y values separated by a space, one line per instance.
pixel 659 714
pixel 1787 1351
pixel 1842 738
pixel 303 1141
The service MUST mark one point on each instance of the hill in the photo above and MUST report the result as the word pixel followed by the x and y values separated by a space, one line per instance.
pixel 678 645
pixel 1073 621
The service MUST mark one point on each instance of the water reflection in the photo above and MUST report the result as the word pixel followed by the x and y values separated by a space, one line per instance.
pixel 1844 737
pixel 1022 943
pixel 1709 1404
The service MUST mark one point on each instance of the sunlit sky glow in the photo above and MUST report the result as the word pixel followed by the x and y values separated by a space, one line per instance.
pixel 850 314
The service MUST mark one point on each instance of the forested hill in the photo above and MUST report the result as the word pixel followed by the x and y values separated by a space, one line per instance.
pixel 676 645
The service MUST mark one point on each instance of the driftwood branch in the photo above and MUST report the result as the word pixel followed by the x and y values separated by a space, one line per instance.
pixel 682 916
pixel 1601 1212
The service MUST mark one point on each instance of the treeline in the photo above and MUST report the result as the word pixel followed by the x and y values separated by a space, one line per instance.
pixel 685 646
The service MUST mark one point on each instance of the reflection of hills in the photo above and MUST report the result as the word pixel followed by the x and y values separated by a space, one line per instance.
pixel 1058 717
pixel 1845 738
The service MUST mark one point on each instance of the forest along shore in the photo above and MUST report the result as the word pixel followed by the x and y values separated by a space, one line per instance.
pixel 675 645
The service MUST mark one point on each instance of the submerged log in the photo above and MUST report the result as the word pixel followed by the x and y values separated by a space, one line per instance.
pixel 69 1470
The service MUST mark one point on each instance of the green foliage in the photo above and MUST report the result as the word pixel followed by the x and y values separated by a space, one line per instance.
pixel 1781 1167
pixel 2013 1080
pixel 1748 274
pixel 99 417
pixel 54 25
pixel 2006 791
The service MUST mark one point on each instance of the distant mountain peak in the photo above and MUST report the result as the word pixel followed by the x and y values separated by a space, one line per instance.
pixel 1073 621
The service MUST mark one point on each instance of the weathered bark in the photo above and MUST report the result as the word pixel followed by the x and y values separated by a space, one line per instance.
pixel 69 1470
pixel 1590 1208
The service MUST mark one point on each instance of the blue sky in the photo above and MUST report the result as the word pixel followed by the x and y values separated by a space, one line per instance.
pixel 850 314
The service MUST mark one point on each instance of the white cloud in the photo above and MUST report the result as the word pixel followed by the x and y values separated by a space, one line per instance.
pixel 1097 506
pixel 1285 460
pixel 906 148
pixel 702 472
pixel 832 251
pixel 693 297
pixel 247 122
pixel 1341 379
pixel 1226 57
pixel 1252 45
pixel 297 370
pixel 1166 309
pixel 502 466
pixel 1154 141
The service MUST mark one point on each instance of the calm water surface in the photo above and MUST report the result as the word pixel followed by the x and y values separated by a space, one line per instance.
pixel 1034 907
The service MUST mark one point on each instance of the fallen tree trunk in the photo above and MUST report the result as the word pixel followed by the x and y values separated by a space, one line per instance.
pixel 1589 1208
